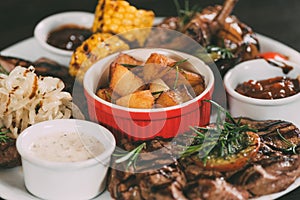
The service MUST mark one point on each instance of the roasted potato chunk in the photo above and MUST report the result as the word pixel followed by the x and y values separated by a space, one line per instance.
pixel 198 89
pixel 123 81
pixel 193 82
pixel 193 78
pixel 168 98
pixel 124 59
pixel 157 65
pixel 174 97
pixel 184 93
pixel 107 94
pixel 174 78
pixel 139 99
pixel 168 83
pixel 157 87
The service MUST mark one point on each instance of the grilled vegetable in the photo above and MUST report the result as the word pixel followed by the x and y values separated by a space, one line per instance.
pixel 118 16
pixel 98 46
pixel 226 146
pixel 235 161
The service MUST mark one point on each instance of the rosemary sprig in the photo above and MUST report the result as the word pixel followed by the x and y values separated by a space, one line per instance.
pixel 176 78
pixel 187 13
pixel 131 156
pixel 176 66
pixel 223 53
pixel 3 134
pixel 228 137
pixel 291 146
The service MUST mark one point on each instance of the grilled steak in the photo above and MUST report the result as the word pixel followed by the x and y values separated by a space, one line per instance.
pixel 165 175
pixel 9 156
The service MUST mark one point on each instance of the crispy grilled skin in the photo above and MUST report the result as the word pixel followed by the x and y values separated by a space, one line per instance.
pixel 183 179
pixel 213 26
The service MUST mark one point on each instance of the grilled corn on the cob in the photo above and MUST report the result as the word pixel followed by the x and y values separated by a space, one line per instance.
pixel 98 46
pixel 111 17
pixel 118 16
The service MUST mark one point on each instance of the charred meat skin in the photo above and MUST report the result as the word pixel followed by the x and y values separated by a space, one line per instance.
pixel 213 26
pixel 10 62
pixel 148 181
pixel 9 156
pixel 272 170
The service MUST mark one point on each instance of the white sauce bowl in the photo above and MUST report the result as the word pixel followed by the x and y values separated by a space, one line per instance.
pixel 65 180
pixel 261 109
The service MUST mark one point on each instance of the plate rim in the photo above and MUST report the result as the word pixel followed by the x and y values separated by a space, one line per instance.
pixel 14 50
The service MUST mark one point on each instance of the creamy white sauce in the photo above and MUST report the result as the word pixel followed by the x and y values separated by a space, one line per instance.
pixel 67 147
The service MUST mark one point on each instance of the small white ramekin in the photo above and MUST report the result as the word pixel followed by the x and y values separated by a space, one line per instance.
pixel 65 180
pixel 46 25
pixel 261 109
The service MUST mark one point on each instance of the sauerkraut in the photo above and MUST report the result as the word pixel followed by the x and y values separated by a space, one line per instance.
pixel 27 98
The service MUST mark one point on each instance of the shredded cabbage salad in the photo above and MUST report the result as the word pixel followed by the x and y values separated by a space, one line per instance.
pixel 27 98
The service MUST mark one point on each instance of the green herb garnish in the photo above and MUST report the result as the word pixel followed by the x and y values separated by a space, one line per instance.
pixel 228 137
pixel 219 52
pixel 131 156
pixel 3 134
pixel 291 146
pixel 186 14
pixel 176 66
pixel 176 77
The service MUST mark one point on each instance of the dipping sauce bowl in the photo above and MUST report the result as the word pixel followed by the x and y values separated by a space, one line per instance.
pixel 261 109
pixel 65 158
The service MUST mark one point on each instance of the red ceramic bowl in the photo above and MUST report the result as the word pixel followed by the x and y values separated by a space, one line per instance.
pixel 143 124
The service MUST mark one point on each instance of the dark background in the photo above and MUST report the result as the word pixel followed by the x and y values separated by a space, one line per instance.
pixel 278 19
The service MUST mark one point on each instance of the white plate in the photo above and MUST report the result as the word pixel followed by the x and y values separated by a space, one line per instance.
pixel 11 180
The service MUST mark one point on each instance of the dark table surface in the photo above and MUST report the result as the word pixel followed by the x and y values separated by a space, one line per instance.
pixel 278 19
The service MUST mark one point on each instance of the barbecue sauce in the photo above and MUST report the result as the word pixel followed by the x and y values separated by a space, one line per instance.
pixel 273 88
pixel 68 37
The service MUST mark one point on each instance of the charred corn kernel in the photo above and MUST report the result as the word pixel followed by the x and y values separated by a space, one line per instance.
pixel 99 45
pixel 118 16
